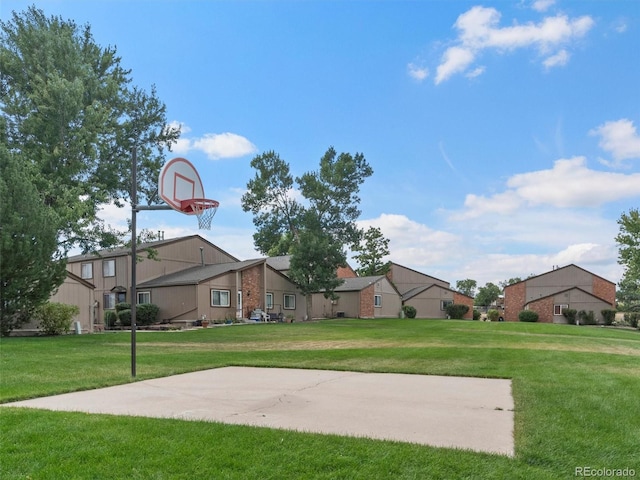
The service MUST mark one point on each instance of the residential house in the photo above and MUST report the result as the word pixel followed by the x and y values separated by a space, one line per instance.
pixel 551 292
pixel 430 296
pixel 360 297
pixel 224 291
pixel 73 291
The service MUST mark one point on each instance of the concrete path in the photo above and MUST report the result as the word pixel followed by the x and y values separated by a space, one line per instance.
pixel 458 412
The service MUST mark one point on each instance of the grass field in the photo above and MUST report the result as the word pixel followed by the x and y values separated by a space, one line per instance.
pixel 576 392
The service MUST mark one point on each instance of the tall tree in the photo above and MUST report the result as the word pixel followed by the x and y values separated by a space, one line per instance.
pixel 31 267
pixel 487 295
pixel 628 240
pixel 71 113
pixel 317 232
pixel 467 287
pixel 372 249
pixel 511 281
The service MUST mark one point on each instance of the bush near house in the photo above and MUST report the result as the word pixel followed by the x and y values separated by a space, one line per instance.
pixel 125 317
pixel 457 311
pixel 633 319
pixel 493 315
pixel 476 314
pixel 528 316
pixel 110 318
pixel 55 318
pixel 570 314
pixel 123 306
pixel 146 314
pixel 609 316
pixel 409 311
pixel 587 318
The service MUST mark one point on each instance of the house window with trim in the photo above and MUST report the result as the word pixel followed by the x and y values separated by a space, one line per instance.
pixel 444 304
pixel 289 301
pixel 109 301
pixel 269 300
pixel 86 270
pixel 220 298
pixel 557 309
pixel 377 301
pixel 144 297
pixel 109 268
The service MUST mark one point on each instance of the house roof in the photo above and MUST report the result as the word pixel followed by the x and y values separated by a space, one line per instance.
pixel 279 263
pixel 197 275
pixel 120 251
pixel 420 273
pixel 355 284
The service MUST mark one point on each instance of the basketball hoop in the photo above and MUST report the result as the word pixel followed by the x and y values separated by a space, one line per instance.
pixel 203 208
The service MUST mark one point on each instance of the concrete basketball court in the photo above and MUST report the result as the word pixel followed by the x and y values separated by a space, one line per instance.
pixel 457 412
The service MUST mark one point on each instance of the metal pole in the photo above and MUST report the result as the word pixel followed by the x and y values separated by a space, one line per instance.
pixel 134 255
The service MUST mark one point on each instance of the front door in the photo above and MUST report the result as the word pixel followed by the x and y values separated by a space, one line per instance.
pixel 239 307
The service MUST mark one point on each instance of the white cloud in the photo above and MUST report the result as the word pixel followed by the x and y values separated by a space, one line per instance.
pixel 542 5
pixel 569 184
pixel 417 73
pixel 619 138
pixel 558 60
pixel 478 30
pixel 215 145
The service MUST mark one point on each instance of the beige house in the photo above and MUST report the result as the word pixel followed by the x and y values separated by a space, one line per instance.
pixel 430 296
pixel 551 292
pixel 224 291
pixel 360 297
pixel 73 291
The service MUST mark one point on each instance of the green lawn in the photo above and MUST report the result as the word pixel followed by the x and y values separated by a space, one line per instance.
pixel 576 392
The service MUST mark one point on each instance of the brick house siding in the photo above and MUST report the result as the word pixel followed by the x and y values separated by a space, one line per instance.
pixel 252 289
pixel 544 309
pixel 460 299
pixel 605 290
pixel 366 302
pixel 514 300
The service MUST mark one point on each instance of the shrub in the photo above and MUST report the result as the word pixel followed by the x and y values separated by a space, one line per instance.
pixel 110 318
pixel 632 319
pixel 476 314
pixel 528 316
pixel 457 310
pixel 570 315
pixel 55 318
pixel 609 316
pixel 123 306
pixel 586 318
pixel 409 311
pixel 146 313
pixel 493 315
pixel 125 318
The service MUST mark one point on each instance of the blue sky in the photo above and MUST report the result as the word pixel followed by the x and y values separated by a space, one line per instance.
pixel 504 135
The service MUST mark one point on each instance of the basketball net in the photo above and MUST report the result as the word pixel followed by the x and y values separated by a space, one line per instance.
pixel 203 208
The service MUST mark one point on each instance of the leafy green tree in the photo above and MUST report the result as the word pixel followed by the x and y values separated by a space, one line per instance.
pixel 467 287
pixel 71 114
pixel 511 281
pixel 628 240
pixel 487 294
pixel 372 249
pixel 317 232
pixel 31 267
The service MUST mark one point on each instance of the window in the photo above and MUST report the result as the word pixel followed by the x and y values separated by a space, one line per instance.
pixel 109 268
pixel 377 301
pixel 557 309
pixel 289 301
pixel 269 301
pixel 109 301
pixel 86 270
pixel 144 297
pixel 220 298
pixel 445 303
